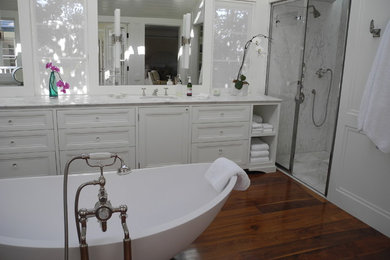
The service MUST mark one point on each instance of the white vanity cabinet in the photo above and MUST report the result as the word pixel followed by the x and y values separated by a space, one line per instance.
pixel 220 131
pixel 40 141
pixel 27 144
pixel 96 130
pixel 163 134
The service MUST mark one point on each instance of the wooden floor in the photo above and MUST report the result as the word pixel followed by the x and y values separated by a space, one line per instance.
pixel 279 218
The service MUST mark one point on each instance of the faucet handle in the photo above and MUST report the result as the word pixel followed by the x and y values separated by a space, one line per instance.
pixel 143 92
pixel 166 91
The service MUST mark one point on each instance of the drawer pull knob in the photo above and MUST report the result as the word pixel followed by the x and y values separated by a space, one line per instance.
pixel 222 114
pixel 220 150
pixel 98 139
pixel 10 121
pixel 97 118
pixel 12 142
pixel 14 165
pixel 221 132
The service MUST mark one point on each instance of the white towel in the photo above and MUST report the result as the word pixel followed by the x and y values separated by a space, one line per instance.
pixel 220 172
pixel 259 160
pixel 268 130
pixel 259 145
pixel 255 154
pixel 257 118
pixel 267 126
pixel 256 125
pixel 374 114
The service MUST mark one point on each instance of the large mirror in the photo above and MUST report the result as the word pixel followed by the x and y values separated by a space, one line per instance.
pixel 10 47
pixel 150 42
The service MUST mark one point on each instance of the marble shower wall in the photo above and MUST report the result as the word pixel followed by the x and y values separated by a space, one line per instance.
pixel 324 49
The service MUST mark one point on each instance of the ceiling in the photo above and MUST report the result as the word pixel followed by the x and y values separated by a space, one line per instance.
pixel 147 8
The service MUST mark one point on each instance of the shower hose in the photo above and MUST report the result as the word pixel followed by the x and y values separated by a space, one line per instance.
pixel 327 101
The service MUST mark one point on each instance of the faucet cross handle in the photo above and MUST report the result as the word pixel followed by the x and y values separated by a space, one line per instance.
pixel 166 91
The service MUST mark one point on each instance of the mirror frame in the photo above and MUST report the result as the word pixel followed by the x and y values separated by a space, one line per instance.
pixel 25 29
pixel 93 76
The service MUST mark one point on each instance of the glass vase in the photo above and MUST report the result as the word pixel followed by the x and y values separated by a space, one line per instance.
pixel 53 93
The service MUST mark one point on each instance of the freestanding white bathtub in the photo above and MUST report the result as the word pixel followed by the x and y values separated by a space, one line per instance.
pixel 168 208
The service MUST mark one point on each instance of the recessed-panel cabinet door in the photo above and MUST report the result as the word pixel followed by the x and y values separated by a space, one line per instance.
pixel 163 136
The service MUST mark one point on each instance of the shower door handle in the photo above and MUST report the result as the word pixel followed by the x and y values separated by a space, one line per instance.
pixel 300 97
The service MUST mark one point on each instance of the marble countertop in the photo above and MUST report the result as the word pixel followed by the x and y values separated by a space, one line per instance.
pixel 121 99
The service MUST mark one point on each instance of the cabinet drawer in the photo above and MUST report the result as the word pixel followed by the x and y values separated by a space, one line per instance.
pixel 79 166
pixel 75 139
pixel 220 132
pixel 25 120
pixel 27 164
pixel 27 141
pixel 236 151
pixel 96 118
pixel 220 114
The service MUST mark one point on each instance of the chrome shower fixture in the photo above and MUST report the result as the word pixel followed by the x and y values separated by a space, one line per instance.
pixel 322 71
pixel 102 210
pixel 316 13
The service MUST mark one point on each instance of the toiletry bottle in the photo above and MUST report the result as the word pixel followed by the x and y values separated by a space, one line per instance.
pixel 189 87
pixel 169 82
pixel 179 86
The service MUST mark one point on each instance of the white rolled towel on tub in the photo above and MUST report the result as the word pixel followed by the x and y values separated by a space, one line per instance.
pixel 220 172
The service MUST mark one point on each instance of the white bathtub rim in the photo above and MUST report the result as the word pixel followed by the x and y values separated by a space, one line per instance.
pixel 29 243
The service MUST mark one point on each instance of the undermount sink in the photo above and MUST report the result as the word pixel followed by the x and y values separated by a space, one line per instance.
pixel 158 97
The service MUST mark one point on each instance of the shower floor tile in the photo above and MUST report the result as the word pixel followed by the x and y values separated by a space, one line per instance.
pixel 312 169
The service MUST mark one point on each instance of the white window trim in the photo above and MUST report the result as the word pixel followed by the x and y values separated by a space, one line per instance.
pixel 27 58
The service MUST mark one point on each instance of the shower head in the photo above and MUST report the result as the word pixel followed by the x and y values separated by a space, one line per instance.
pixel 316 13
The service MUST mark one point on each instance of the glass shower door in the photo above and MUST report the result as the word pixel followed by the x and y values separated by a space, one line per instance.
pixel 325 38
pixel 287 31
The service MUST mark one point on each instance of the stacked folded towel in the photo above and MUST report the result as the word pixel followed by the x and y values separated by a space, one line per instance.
pixel 259 151
pixel 258 128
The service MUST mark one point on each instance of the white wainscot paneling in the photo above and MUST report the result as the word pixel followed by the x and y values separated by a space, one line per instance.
pixel 363 165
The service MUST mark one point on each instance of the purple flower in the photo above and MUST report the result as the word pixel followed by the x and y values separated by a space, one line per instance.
pixel 65 87
pixel 60 83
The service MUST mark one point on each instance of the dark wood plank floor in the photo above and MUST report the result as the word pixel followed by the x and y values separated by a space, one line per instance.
pixel 279 218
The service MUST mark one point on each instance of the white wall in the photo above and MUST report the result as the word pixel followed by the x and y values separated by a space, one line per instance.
pixel 360 174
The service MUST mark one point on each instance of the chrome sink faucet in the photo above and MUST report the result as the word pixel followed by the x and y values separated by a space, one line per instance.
pixel 155 92
pixel 102 210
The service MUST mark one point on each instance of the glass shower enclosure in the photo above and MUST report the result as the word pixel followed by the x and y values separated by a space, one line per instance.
pixel 305 65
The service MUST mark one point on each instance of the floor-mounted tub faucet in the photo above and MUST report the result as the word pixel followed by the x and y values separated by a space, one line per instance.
pixel 102 210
